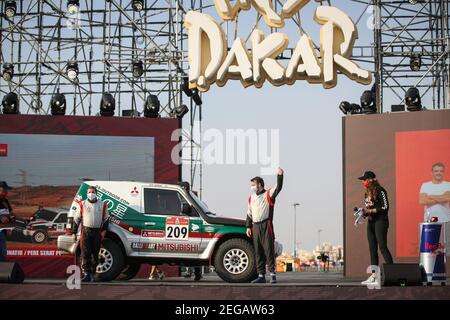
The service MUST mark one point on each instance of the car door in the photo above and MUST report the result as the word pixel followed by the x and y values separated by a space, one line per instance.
pixel 60 224
pixel 167 232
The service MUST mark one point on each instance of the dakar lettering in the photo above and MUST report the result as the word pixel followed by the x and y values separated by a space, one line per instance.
pixel 211 62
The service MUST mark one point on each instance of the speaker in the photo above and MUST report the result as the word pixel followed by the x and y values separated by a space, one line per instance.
pixel 11 272
pixel 401 274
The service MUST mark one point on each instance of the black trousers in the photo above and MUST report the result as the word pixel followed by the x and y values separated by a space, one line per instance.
pixel 263 242
pixel 377 236
pixel 90 248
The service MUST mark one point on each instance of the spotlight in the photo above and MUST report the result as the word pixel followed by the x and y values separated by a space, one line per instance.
pixel 10 8
pixel 138 68
pixel 10 103
pixel 345 107
pixel 73 6
pixel 180 111
pixel 412 99
pixel 185 87
pixel 368 102
pixel 8 71
pixel 415 61
pixel 72 70
pixel 348 108
pixel 152 105
pixel 107 105
pixel 137 5
pixel 196 97
pixel 58 104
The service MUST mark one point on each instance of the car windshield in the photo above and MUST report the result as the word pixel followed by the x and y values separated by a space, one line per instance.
pixel 201 204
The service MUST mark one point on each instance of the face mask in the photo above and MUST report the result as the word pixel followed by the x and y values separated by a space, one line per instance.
pixel 254 188
pixel 91 196
pixel 365 183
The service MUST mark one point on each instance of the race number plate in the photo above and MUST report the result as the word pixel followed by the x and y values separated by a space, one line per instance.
pixel 177 228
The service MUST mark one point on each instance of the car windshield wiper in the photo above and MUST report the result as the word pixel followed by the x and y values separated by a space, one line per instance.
pixel 210 213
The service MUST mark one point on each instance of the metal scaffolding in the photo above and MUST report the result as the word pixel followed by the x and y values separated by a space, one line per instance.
pixel 409 32
pixel 104 38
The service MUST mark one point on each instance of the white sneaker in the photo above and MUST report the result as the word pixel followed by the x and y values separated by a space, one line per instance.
pixel 372 280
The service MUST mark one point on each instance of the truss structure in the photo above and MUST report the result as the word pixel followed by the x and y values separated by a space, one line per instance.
pixel 408 30
pixel 104 38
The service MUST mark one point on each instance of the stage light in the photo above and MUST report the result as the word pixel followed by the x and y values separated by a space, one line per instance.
pixel 185 87
pixel 72 70
pixel 10 8
pixel 368 105
pixel 180 111
pixel 73 6
pixel 152 105
pixel 349 108
pixel 10 103
pixel 198 101
pixel 107 105
pixel 137 5
pixel 412 99
pixel 415 62
pixel 58 104
pixel 345 107
pixel 138 68
pixel 8 71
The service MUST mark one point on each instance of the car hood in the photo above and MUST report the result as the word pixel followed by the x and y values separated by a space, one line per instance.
pixel 224 220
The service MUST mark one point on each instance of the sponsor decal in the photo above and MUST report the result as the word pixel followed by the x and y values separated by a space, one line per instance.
pixel 209 229
pixel 3 150
pixel 153 234
pixel 143 246
pixel 37 253
pixel 177 228
pixel 186 247
pixel 195 227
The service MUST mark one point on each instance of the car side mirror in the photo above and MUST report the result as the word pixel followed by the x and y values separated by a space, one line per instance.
pixel 186 209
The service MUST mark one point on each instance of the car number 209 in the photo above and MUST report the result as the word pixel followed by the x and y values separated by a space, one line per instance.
pixel 177 232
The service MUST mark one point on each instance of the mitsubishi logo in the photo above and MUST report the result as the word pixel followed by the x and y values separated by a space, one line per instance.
pixel 134 192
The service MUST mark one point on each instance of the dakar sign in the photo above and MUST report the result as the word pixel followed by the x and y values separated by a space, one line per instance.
pixel 210 61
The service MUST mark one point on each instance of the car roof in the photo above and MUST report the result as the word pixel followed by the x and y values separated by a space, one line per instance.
pixel 148 184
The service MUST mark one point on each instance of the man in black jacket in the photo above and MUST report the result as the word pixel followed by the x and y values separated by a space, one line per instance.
pixel 5 219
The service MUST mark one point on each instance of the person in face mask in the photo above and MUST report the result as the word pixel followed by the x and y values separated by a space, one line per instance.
pixel 259 224
pixel 94 219
pixel 376 207
pixel 4 219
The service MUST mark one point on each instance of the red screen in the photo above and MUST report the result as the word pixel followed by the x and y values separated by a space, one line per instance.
pixel 416 152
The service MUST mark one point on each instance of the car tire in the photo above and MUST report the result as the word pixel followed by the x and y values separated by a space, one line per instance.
pixel 129 272
pixel 234 261
pixel 111 259
pixel 39 236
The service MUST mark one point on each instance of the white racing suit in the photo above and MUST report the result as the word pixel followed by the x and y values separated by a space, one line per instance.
pixel 260 219
pixel 94 219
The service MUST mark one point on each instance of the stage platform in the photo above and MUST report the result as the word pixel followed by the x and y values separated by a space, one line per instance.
pixel 291 286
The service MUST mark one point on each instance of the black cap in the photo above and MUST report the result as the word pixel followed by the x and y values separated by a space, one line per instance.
pixel 368 175
pixel 4 185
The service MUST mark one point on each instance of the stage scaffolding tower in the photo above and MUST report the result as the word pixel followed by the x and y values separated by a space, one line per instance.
pixel 405 31
pixel 104 38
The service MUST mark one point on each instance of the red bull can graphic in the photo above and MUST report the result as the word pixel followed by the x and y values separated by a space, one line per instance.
pixel 432 252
